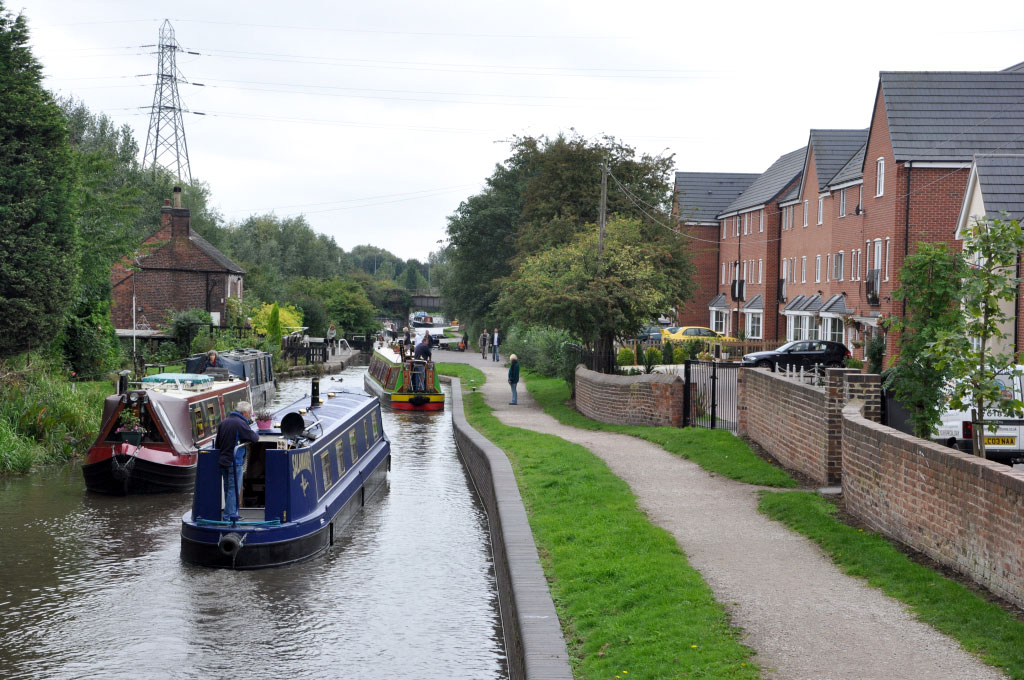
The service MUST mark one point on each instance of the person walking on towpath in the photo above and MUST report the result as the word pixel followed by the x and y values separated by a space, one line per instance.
pixel 494 345
pixel 513 378
pixel 484 339
pixel 234 430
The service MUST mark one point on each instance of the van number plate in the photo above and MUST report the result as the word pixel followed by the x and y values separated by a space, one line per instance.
pixel 1000 441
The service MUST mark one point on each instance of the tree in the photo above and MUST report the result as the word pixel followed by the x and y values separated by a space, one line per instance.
pixel 931 284
pixel 597 298
pixel 970 352
pixel 38 269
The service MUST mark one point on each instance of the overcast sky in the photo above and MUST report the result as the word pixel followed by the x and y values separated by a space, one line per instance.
pixel 376 119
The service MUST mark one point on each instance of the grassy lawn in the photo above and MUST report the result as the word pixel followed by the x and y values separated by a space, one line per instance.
pixel 716 451
pixel 996 635
pixel 628 601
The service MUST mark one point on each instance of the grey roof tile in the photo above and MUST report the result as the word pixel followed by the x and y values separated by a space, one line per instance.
pixel 701 196
pixel 950 116
pixel 853 170
pixel 756 302
pixel 836 305
pixel 771 182
pixel 833 149
pixel 795 304
pixel 1002 183
pixel 719 302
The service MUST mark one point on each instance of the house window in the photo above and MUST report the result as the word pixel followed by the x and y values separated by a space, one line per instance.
pixel 785 269
pixel 746 223
pixel 803 269
pixel 736 271
pixel 792 269
pixel 724 222
pixel 812 329
pixel 760 271
pixel 723 273
pixel 805 213
pixel 761 228
pixel 753 329
pixel 834 330
pixel 842 202
pixel 718 321
pixel 821 207
pixel 887 258
pixel 744 270
pixel 837 266
pixel 860 198
pixel 880 177
pixel 817 269
pixel 785 218
pixel 736 225
pixel 828 265
pixel 799 328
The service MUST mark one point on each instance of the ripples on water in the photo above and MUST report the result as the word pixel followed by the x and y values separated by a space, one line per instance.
pixel 92 586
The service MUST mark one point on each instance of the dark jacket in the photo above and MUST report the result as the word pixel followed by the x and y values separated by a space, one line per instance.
pixel 513 372
pixel 423 351
pixel 234 429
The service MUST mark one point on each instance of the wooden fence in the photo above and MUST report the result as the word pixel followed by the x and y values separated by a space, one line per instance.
pixel 725 350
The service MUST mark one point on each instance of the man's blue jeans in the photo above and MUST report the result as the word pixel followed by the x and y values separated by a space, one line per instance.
pixel 496 357
pixel 230 481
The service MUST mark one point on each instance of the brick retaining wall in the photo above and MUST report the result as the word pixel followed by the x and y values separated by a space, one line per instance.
pixel 960 510
pixel 655 399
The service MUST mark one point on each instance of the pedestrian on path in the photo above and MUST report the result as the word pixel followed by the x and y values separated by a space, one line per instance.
pixel 513 378
pixel 484 339
pixel 494 345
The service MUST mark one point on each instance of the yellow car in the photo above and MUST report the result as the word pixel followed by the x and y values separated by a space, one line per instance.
pixel 684 333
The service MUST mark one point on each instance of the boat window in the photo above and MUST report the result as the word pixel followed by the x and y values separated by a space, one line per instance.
pixel 198 422
pixel 340 453
pixel 231 400
pixel 376 427
pixel 353 445
pixel 325 466
pixel 393 377
pixel 366 432
pixel 213 415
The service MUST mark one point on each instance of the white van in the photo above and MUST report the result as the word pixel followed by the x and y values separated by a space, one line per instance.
pixel 1003 444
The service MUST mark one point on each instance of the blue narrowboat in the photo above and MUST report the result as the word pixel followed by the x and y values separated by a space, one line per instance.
pixel 305 478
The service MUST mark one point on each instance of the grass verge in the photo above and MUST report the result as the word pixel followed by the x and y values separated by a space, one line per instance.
pixel 997 636
pixel 629 603
pixel 716 451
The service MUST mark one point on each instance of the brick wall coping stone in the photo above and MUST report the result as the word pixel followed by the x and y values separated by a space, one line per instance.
pixel 609 379
pixel 533 635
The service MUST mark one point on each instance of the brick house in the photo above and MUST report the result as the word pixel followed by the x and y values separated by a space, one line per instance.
pixel 180 270
pixel 819 254
pixel 699 198
pixel 748 271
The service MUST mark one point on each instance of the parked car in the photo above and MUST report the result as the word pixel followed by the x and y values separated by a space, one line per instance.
pixel 1002 444
pixel 683 333
pixel 648 334
pixel 805 353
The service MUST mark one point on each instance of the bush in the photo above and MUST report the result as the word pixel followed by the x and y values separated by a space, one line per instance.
pixel 626 357
pixel 540 349
pixel 852 362
pixel 875 352
pixel 651 358
pixel 668 353
pixel 181 327
pixel 691 348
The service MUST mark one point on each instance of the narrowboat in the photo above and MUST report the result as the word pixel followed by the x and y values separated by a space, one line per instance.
pixel 421 319
pixel 175 414
pixel 300 484
pixel 254 365
pixel 390 378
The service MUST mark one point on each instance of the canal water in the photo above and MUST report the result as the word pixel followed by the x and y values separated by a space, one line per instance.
pixel 93 587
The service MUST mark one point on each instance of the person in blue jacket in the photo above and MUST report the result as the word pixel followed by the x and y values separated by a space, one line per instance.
pixel 235 429
pixel 513 378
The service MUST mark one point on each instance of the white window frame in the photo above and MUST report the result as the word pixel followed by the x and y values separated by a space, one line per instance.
pixel 803 269
pixel 886 258
pixel 761 229
pixel 760 271
pixel 806 208
pixel 718 321
pixel 880 176
pixel 744 270
pixel 749 330
pixel 723 274
pixel 725 227
pixel 838 264
pixel 842 202
pixel 821 208
pixel 860 198
pixel 785 269
pixel 813 329
pixel 817 268
pixel 828 267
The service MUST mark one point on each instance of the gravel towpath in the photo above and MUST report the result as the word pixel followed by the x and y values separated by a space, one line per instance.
pixel 804 618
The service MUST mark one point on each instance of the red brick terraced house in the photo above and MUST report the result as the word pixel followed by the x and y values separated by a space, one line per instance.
pixel 699 198
pixel 749 261
pixel 818 248
pixel 179 270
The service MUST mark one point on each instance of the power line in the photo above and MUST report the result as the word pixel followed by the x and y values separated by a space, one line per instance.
pixel 165 141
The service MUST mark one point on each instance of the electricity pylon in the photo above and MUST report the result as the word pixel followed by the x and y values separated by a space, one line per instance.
pixel 165 142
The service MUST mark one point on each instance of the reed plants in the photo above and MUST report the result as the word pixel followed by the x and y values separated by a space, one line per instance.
pixel 45 418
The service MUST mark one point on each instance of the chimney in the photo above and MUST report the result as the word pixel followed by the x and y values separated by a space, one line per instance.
pixel 176 218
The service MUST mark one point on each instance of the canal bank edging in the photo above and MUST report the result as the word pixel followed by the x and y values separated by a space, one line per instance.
pixel 533 636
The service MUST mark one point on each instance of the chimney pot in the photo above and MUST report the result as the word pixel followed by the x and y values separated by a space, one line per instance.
pixel 167 203
pixel 177 197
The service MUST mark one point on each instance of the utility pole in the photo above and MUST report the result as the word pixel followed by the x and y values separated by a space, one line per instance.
pixel 604 207
pixel 165 142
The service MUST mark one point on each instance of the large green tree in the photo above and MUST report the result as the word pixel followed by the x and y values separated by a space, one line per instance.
pixel 38 267
pixel 931 284
pixel 597 297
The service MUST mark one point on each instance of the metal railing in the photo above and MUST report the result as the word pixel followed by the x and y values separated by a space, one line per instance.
pixel 710 395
